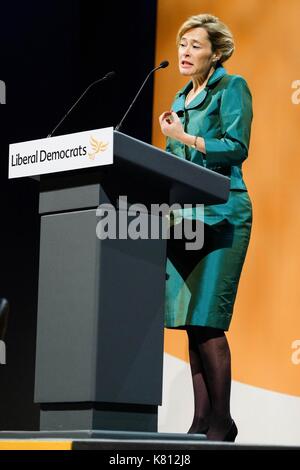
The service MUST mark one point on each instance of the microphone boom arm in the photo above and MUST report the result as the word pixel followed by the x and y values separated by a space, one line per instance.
pixel 160 66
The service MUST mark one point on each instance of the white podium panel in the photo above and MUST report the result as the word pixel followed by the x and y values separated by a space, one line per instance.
pixel 63 153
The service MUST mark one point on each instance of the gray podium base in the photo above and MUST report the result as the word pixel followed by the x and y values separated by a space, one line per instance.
pixel 100 326
pixel 94 416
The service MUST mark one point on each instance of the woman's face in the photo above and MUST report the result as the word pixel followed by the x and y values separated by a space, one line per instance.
pixel 194 53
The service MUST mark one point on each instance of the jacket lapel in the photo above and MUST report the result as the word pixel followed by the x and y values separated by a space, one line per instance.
pixel 179 103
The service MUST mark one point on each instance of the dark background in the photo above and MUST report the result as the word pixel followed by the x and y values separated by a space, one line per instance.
pixel 50 52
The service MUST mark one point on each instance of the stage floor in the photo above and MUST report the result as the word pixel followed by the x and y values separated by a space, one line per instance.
pixel 114 440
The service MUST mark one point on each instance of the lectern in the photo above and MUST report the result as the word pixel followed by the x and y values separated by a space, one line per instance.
pixel 99 353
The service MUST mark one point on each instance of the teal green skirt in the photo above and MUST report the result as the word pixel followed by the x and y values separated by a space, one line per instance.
pixel 201 285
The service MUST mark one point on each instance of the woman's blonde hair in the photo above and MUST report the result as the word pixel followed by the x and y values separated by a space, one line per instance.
pixel 219 34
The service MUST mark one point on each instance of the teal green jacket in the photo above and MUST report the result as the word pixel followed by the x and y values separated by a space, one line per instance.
pixel 222 115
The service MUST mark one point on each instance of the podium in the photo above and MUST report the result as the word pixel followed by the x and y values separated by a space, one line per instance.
pixel 99 354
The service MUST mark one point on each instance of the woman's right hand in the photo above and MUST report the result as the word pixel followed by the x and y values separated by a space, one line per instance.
pixel 171 125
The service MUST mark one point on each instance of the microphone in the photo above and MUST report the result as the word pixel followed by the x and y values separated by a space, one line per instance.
pixel 162 65
pixel 108 76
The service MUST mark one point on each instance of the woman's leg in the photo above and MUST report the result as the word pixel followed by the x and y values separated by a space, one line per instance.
pixel 200 422
pixel 215 356
pixel 211 373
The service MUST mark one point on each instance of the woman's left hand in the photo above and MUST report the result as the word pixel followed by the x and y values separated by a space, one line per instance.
pixel 171 125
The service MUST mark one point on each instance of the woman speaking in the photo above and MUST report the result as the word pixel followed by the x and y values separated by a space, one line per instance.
pixel 209 125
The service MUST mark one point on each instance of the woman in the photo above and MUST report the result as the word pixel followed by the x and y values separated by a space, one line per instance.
pixel 209 125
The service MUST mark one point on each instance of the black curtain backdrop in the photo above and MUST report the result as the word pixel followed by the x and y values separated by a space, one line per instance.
pixel 50 52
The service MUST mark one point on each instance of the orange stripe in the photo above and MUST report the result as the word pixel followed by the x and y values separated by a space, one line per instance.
pixel 22 444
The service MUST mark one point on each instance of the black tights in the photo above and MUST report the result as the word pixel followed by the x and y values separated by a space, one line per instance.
pixel 211 374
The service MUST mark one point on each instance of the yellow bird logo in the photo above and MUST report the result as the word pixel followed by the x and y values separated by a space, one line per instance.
pixel 97 147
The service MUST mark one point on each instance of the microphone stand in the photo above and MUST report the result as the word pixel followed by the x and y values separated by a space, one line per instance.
pixel 106 77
